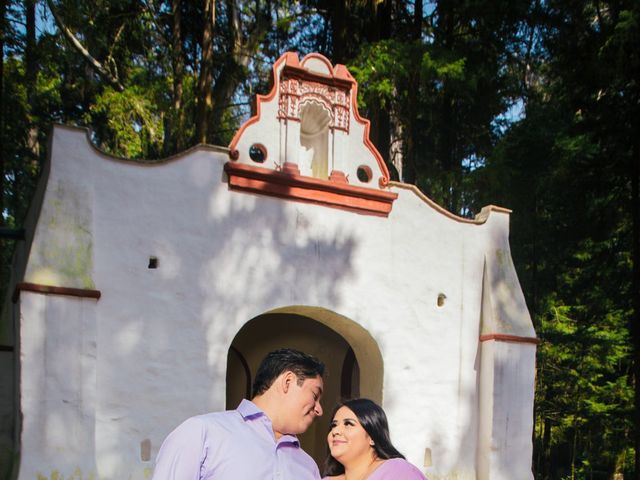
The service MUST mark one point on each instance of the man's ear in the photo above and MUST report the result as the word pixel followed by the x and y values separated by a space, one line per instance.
pixel 286 380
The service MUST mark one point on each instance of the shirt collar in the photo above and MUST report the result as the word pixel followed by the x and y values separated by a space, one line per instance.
pixel 250 411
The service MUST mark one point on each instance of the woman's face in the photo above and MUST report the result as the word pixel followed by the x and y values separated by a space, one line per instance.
pixel 348 441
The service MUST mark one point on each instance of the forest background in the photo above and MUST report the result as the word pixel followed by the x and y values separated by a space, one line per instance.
pixel 532 105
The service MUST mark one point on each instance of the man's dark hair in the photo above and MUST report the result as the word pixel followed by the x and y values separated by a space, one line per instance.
pixel 286 360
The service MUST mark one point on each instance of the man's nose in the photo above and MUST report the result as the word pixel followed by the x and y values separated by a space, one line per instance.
pixel 318 409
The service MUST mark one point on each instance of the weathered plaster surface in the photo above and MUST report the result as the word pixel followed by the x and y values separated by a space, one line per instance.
pixel 62 249
pixel 58 386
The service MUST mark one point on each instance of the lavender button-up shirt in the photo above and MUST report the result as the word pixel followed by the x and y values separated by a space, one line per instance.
pixel 232 445
pixel 394 469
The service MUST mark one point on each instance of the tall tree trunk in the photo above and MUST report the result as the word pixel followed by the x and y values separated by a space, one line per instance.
pixel 635 286
pixel 338 12
pixel 177 134
pixel 546 449
pixel 3 11
pixel 410 160
pixel 30 47
pixel 574 448
pixel 31 70
pixel 444 152
pixel 233 70
pixel 396 144
pixel 386 127
pixel 205 78
pixel 231 75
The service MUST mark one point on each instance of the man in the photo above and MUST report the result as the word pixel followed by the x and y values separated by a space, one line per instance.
pixel 257 441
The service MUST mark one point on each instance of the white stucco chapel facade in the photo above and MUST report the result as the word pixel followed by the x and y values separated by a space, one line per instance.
pixel 148 292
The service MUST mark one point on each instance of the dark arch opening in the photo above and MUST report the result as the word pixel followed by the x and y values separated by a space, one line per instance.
pixel 319 332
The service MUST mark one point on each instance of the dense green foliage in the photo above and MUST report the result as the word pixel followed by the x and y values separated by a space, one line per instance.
pixel 527 104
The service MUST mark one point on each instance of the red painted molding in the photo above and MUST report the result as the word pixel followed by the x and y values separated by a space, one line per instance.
pixel 501 337
pixel 52 290
pixel 338 176
pixel 301 73
pixel 290 168
pixel 307 189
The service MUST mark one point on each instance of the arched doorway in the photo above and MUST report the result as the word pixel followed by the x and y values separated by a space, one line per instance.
pixel 351 355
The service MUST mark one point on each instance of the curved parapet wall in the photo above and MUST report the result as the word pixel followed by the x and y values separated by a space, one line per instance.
pixel 479 219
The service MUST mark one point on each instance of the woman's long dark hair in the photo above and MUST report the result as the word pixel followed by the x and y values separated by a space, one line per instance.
pixel 374 421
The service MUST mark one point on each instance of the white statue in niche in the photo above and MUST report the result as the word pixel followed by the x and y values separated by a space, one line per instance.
pixel 314 140
pixel 305 160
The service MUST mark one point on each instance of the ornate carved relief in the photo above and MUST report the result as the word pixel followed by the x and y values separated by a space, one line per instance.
pixel 294 92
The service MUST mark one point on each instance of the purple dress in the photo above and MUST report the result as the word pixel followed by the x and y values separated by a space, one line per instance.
pixel 395 469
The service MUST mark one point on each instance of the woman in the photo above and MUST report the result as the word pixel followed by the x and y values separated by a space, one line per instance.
pixel 360 447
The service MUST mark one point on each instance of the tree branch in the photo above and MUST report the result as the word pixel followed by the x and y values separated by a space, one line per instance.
pixel 102 71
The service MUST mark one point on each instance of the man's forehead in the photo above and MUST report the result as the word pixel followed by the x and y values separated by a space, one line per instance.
pixel 314 382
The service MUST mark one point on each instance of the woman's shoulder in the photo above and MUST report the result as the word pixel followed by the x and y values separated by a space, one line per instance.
pixel 399 466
